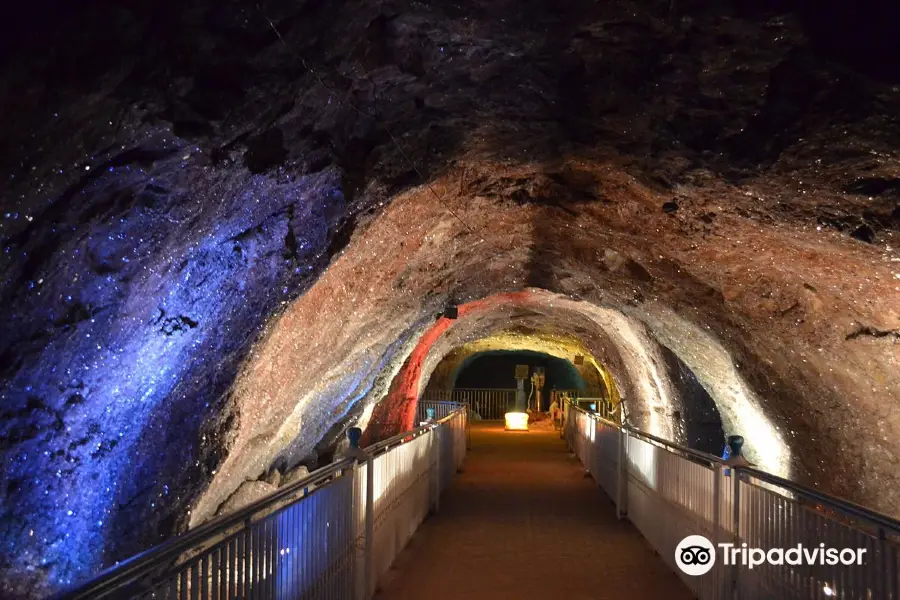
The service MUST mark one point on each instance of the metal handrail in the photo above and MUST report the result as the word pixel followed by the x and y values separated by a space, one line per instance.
pixel 219 528
pixel 384 445
pixel 489 403
pixel 149 560
pixel 845 506
pixel 484 389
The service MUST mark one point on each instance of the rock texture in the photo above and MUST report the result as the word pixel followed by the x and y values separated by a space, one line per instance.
pixel 248 493
pixel 226 227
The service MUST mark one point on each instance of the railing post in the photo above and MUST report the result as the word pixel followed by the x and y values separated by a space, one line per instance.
pixel 355 588
pixel 890 577
pixel 468 428
pixel 736 523
pixel 622 483
pixel 717 501
pixel 437 433
pixel 370 527
pixel 717 517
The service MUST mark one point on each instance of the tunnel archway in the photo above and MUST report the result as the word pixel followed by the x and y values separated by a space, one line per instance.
pixel 640 370
pixel 496 369
pixel 698 418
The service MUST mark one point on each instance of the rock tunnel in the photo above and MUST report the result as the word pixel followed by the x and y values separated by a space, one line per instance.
pixel 230 232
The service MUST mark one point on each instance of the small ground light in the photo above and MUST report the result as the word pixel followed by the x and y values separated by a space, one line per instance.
pixel 516 421
pixel 827 590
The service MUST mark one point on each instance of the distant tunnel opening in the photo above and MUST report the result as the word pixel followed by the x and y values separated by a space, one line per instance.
pixel 496 369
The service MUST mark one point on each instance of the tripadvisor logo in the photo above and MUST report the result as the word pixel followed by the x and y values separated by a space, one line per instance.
pixel 696 555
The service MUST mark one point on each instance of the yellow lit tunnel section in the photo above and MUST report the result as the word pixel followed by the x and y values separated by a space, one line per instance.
pixel 596 377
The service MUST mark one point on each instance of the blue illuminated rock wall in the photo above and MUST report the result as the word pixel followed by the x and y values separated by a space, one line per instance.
pixel 128 306
pixel 173 175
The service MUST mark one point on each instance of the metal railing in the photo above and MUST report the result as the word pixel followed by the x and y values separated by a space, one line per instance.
pixel 611 411
pixel 670 492
pixel 440 409
pixel 488 404
pixel 328 536
pixel 592 400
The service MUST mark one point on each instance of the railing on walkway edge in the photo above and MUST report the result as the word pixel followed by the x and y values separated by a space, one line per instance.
pixel 670 492
pixel 441 409
pixel 489 404
pixel 607 409
pixel 331 535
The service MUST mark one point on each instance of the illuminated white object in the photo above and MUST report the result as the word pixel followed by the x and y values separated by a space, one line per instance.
pixel 516 421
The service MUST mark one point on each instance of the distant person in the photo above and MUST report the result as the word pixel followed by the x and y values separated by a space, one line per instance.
pixel 354 434
pixel 555 412
pixel 734 454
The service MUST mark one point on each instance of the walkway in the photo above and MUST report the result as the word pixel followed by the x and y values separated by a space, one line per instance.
pixel 522 522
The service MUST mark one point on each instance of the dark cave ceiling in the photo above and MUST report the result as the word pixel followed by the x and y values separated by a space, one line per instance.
pixel 227 228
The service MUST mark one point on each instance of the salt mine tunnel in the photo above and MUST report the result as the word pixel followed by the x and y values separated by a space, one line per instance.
pixel 231 231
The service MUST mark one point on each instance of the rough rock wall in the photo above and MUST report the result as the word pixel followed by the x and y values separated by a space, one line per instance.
pixel 175 174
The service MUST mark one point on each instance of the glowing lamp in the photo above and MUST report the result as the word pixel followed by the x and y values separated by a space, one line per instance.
pixel 516 421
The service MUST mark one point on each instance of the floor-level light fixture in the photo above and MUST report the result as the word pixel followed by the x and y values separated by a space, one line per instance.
pixel 516 421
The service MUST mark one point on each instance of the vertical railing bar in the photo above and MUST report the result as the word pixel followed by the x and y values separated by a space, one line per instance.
pixel 276 589
pixel 242 564
pixel 773 571
pixel 274 554
pixel 776 572
pixel 183 585
pixel 736 516
pixel 245 557
pixel 791 529
pixel 228 573
pixel 296 578
pixel 886 574
pixel 837 538
pixel 236 567
pixel 296 581
pixel 204 591
pixel 751 528
pixel 304 537
pixel 760 535
pixel 314 538
pixel 766 506
pixel 194 582
pixel 286 544
pixel 802 570
pixel 257 552
pixel 321 552
pixel 622 481
pixel 216 574
pixel 268 589
pixel 782 541
pixel 370 526
pixel 893 572
pixel 262 551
